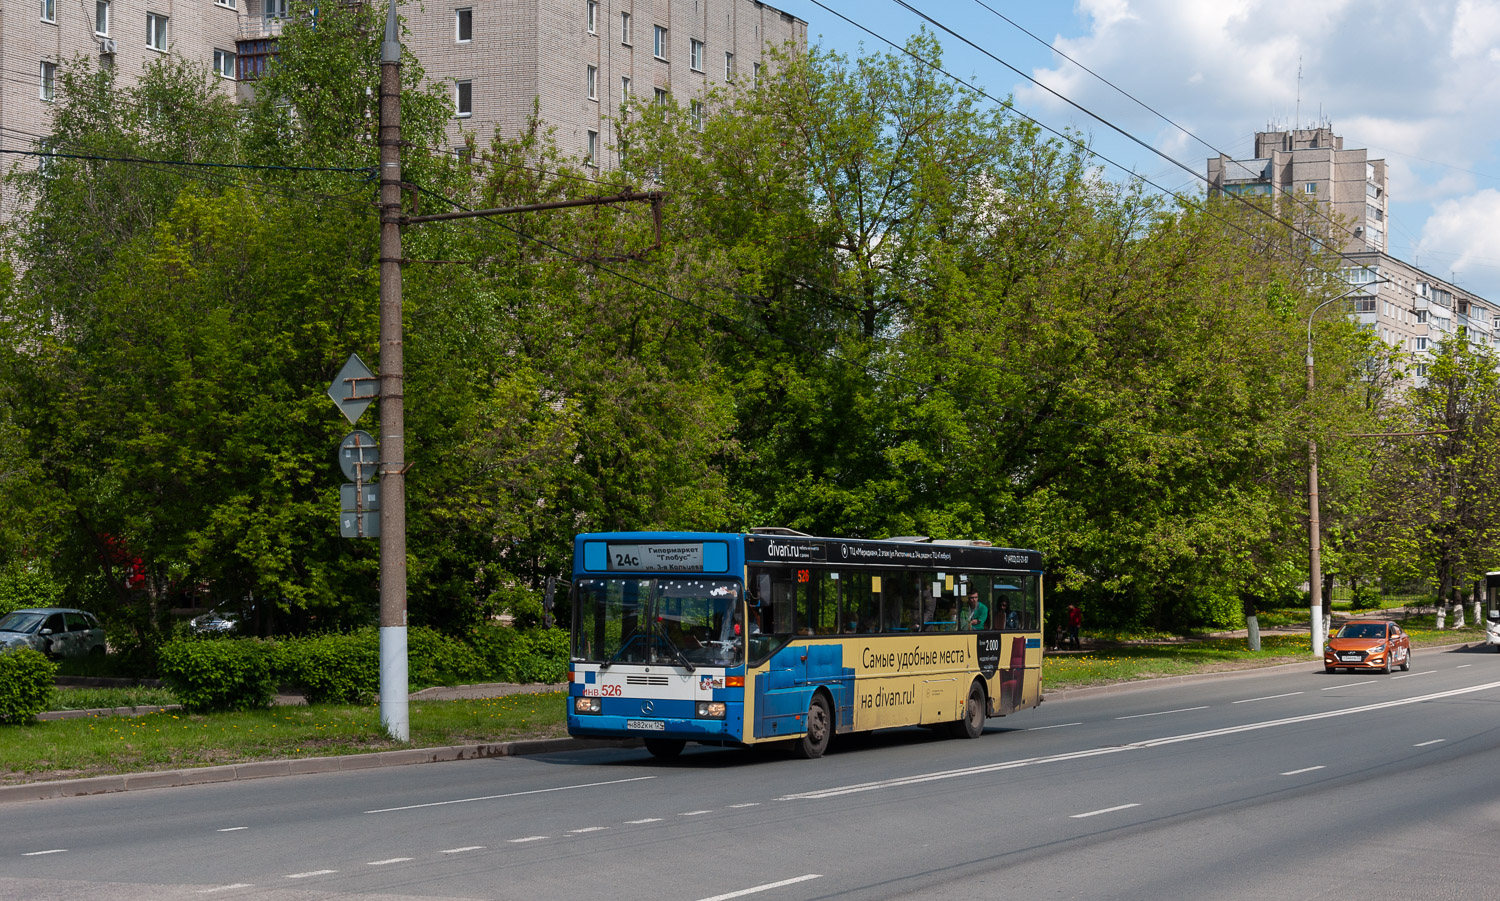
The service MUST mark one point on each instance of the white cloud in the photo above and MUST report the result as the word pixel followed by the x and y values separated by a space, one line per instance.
pixel 1461 236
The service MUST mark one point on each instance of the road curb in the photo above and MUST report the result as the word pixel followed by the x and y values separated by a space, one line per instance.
pixel 264 769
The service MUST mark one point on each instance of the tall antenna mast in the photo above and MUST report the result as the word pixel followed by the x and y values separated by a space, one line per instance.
pixel 1297 115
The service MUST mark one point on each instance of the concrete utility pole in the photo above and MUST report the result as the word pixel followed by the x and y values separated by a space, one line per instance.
pixel 1314 528
pixel 393 681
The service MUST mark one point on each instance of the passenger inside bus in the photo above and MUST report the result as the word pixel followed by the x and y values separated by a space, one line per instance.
pixel 976 615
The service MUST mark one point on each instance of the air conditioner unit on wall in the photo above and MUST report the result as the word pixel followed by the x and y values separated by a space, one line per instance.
pixel 106 46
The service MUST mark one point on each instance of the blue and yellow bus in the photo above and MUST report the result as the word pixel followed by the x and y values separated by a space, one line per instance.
pixel 776 636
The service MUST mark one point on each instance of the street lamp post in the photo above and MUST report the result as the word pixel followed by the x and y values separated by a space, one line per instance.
pixel 1314 530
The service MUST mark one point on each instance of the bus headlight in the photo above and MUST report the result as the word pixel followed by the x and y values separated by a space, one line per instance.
pixel 586 705
pixel 711 710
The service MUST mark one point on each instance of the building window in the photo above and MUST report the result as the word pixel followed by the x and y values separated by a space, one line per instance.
pixel 275 9
pixel 1364 304
pixel 1421 344
pixel 224 63
pixel 625 29
pixel 696 110
pixel 591 81
pixel 463 98
pixel 101 17
pixel 1310 188
pixel 1421 317
pixel 661 97
pixel 755 74
pixel 728 66
pixel 592 16
pixel 49 10
pixel 49 81
pixel 624 89
pixel 463 23
pixel 156 31
pixel 227 4
pixel 695 55
pixel 659 41
pixel 592 157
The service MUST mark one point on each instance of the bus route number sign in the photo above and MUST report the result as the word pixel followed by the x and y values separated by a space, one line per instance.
pixel 674 557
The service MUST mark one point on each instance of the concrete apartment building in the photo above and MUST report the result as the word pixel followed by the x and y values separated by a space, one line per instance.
pixel 577 58
pixel 1403 305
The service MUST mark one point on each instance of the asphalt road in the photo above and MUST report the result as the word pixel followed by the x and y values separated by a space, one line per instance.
pixel 1289 784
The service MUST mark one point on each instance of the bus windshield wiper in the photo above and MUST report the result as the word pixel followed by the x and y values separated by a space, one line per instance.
pixel 662 630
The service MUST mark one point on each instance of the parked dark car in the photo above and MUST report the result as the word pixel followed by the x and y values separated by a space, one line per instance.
pixel 55 631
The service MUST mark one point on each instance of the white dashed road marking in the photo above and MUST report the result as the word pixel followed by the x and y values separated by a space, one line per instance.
pixel 1136 716
pixel 381 863
pixel 310 873
pixel 536 791
pixel 529 838
pixel 1426 743
pixel 763 888
pixel 40 853
pixel 235 829
pixel 1268 697
pixel 463 849
pixel 640 822
pixel 751 804
pixel 1094 813
pixel 588 829
pixel 224 888
pixel 1348 685
pixel 694 813
pixel 1058 726
pixel 1306 769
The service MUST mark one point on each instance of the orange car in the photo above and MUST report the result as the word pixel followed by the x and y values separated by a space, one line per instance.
pixel 1368 644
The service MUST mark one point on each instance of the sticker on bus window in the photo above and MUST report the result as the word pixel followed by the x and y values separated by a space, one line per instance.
pixel 949 583
pixel 875 585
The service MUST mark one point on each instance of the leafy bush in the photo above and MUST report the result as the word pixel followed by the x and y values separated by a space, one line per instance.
pixel 334 667
pixel 517 655
pixel 25 685
pixel 219 675
pixel 437 659
pixel 27 585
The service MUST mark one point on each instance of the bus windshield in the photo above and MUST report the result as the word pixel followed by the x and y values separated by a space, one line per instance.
pixel 676 621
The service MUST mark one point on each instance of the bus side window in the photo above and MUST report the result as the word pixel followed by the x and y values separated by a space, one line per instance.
pixel 777 617
pixel 861 610
pixel 817 603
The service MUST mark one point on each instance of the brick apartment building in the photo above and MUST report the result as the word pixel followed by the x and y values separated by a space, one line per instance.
pixel 577 58
pixel 1412 309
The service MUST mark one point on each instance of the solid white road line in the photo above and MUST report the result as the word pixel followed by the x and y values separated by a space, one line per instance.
pixel 1094 813
pixel 1435 741
pixel 1306 769
pixel 1136 716
pixel 40 853
pixel 462 850
pixel 640 822
pixel 1349 685
pixel 1057 726
pixel 836 791
pixel 310 873
pixel 763 888
pixel 1268 697
pixel 381 863
pixel 224 888
pixel 529 838
pixel 235 829
pixel 537 791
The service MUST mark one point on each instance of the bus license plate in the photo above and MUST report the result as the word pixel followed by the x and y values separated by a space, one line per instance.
pixel 648 725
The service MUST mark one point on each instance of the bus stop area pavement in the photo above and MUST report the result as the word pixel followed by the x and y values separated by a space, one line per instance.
pixel 261 769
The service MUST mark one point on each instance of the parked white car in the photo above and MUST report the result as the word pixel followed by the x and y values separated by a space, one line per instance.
pixel 55 631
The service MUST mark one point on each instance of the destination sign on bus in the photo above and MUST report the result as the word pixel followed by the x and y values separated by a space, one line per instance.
pixel 677 557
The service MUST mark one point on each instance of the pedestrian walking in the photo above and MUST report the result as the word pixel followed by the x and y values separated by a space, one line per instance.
pixel 1075 622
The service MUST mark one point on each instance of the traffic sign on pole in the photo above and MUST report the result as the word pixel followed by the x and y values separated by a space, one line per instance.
pixel 354 388
pixel 359 455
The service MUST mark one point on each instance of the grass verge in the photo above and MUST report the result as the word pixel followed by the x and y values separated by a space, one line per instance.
pixel 65 698
pixel 97 746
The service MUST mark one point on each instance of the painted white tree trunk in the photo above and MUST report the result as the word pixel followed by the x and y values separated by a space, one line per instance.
pixel 1442 617
pixel 1478 614
pixel 1458 615
pixel 1252 625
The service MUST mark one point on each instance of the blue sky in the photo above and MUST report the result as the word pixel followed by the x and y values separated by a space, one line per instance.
pixel 1417 82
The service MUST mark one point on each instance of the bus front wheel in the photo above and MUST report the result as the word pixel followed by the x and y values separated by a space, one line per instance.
pixel 972 724
pixel 819 728
pixel 664 748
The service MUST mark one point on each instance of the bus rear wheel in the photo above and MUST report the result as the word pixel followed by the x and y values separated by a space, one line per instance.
pixel 819 729
pixel 972 723
pixel 665 748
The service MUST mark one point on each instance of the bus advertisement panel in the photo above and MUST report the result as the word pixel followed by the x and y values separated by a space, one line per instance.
pixel 742 639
